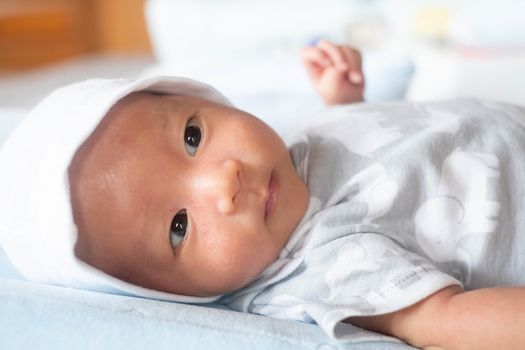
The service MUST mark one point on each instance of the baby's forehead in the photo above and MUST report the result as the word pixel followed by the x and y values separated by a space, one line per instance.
pixel 131 121
pixel 134 134
pixel 137 118
pixel 126 139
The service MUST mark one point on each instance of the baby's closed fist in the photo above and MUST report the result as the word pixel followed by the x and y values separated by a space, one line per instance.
pixel 335 71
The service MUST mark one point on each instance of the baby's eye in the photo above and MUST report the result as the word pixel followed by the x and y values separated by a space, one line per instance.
pixel 192 137
pixel 179 224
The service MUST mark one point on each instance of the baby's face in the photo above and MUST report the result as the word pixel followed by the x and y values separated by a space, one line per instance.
pixel 183 195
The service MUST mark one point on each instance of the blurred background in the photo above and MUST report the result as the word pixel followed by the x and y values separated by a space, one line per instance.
pixel 414 50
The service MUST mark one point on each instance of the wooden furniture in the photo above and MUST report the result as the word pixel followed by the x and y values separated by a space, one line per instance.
pixel 36 32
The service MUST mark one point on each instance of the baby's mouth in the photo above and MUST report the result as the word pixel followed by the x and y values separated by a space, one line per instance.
pixel 273 191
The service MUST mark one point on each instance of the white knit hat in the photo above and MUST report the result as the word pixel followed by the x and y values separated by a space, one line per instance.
pixel 37 230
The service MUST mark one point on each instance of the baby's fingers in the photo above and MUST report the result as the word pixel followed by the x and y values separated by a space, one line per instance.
pixel 312 55
pixel 335 53
pixel 315 62
pixel 354 61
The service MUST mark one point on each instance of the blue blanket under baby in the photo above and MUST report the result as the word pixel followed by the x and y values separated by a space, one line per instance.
pixel 48 317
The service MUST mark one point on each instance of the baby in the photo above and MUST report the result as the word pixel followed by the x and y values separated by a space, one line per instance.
pixel 401 218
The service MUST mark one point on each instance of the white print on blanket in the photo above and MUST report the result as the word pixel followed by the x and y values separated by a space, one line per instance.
pixel 443 121
pixel 375 189
pixel 363 134
pixel 460 207
pixel 363 255
pixel 284 306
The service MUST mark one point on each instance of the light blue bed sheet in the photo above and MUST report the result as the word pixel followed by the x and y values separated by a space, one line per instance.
pixel 49 317
pixel 37 316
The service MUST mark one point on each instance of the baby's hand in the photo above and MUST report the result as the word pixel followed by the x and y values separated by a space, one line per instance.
pixel 335 71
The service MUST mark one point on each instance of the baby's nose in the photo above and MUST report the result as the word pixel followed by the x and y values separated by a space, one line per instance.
pixel 222 183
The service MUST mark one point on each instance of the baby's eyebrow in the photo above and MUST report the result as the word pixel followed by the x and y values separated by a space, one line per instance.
pixel 162 111
pixel 193 114
pixel 171 125
pixel 151 232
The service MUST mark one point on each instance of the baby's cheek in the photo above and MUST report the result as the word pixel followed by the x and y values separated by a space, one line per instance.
pixel 241 260
pixel 235 249
pixel 226 268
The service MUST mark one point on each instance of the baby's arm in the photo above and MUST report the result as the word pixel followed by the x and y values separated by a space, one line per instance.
pixel 489 318
pixel 335 71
